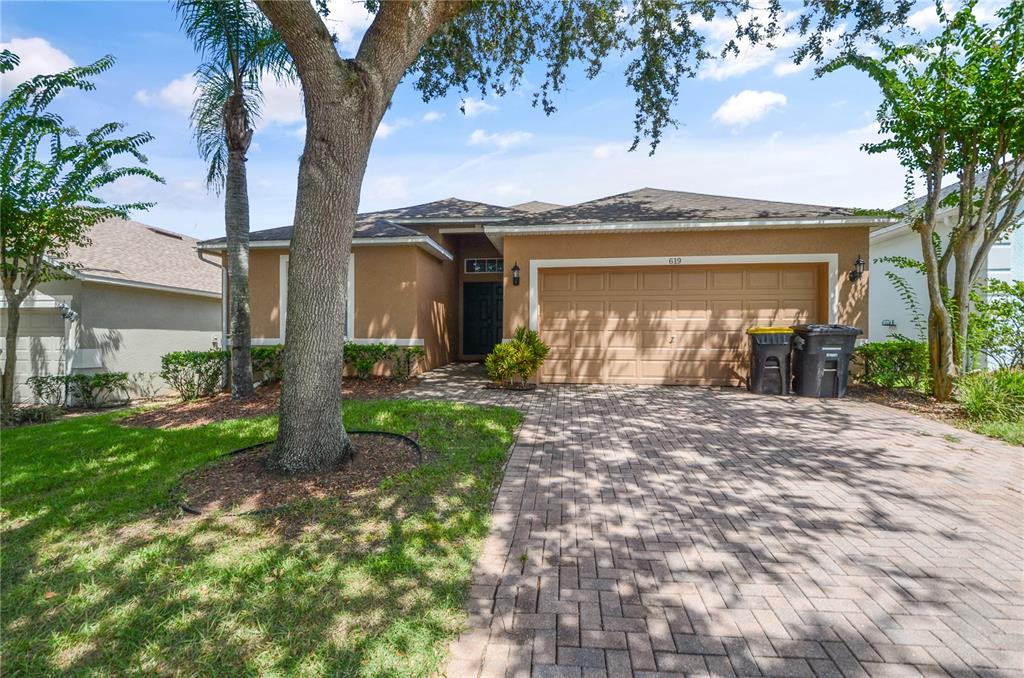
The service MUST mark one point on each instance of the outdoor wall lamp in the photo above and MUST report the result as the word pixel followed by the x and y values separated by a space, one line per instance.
pixel 515 274
pixel 858 269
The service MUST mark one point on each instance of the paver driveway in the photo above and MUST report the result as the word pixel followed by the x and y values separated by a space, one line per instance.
pixel 678 530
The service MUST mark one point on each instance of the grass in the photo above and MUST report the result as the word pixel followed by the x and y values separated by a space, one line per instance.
pixel 101 576
pixel 1009 431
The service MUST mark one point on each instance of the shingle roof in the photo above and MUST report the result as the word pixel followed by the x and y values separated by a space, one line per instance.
pixel 380 224
pixel 654 204
pixel 134 252
pixel 536 206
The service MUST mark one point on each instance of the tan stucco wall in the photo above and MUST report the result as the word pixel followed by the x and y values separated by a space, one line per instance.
pixel 435 308
pixel 264 292
pixel 385 292
pixel 847 243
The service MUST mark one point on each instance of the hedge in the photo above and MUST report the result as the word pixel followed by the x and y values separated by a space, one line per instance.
pixel 896 363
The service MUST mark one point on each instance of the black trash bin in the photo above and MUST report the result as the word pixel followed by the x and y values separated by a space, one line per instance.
pixel 769 360
pixel 821 359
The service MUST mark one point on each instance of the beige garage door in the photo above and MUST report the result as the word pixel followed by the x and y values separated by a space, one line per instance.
pixel 667 325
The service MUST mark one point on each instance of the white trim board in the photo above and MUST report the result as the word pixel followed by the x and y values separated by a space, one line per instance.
pixel 273 341
pixel 282 299
pixel 832 259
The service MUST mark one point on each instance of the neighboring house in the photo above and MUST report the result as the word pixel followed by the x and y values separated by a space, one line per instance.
pixel 888 310
pixel 645 287
pixel 137 292
pixel 649 286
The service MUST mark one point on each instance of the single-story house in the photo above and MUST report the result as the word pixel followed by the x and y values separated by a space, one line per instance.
pixel 132 295
pixel 649 286
pixel 888 311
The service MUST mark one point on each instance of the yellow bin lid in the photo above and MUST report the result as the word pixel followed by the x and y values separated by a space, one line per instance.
pixel 770 330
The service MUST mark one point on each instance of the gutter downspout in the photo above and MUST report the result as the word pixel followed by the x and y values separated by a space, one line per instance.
pixel 223 296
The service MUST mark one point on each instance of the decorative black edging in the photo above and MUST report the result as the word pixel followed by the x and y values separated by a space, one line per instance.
pixel 266 511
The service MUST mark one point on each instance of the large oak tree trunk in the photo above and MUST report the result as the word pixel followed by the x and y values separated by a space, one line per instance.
pixel 345 100
pixel 236 223
pixel 311 435
pixel 10 353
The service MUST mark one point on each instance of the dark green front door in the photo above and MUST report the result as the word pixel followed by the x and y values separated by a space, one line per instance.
pixel 481 317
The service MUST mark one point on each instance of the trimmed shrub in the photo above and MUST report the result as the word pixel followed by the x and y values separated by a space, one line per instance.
pixel 49 389
pixel 362 358
pixel 896 363
pixel 992 396
pixel 268 363
pixel 512 363
pixel 93 390
pixel 194 374
pixel 407 361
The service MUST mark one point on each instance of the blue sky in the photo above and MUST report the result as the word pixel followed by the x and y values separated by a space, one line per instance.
pixel 752 127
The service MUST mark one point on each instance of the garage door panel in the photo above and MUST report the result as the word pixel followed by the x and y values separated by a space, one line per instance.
pixel 622 282
pixel 590 282
pixel 669 325
pixel 692 280
pixel 763 279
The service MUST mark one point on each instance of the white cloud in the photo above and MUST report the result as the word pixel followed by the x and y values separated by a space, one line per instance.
pixel 282 102
pixel 748 106
pixel 432 116
pixel 924 18
pixel 474 107
pixel 38 57
pixel 177 95
pixel 500 139
pixel 348 20
pixel 390 189
pixel 603 151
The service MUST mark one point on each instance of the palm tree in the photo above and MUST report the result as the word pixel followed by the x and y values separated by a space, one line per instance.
pixel 239 47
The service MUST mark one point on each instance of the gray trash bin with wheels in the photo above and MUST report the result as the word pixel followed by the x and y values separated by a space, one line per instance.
pixel 769 360
pixel 821 359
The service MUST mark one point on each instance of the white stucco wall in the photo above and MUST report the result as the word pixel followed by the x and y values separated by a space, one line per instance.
pixel 119 329
pixel 1006 262
pixel 126 329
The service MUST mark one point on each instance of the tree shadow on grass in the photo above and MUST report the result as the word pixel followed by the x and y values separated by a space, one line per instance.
pixel 368 589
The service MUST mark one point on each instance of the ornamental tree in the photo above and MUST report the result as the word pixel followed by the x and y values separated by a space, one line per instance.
pixel 485 46
pixel 239 47
pixel 50 180
pixel 954 105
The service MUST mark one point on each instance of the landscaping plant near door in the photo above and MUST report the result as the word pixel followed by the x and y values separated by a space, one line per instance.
pixel 512 363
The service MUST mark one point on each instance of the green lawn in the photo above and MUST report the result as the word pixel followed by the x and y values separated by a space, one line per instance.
pixel 1010 431
pixel 101 575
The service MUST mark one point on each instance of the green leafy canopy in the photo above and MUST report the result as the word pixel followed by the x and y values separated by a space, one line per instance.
pixel 489 46
pixel 239 47
pixel 51 176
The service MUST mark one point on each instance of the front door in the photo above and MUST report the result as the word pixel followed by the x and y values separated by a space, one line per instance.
pixel 481 317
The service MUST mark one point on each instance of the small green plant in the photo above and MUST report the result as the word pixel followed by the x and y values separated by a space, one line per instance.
pixel 362 358
pixel 268 363
pixel 49 389
pixel 896 363
pixel 102 388
pixel 406 362
pixel 194 374
pixel 513 362
pixel 25 416
pixel 992 396
pixel 996 328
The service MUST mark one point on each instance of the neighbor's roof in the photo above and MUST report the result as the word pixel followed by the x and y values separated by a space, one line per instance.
pixel 655 204
pixel 126 252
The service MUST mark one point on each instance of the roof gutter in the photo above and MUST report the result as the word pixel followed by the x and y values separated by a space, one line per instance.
pixel 424 242
pixel 717 225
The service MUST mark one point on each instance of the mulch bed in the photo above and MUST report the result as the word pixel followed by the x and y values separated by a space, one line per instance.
pixel 909 400
pixel 220 406
pixel 241 482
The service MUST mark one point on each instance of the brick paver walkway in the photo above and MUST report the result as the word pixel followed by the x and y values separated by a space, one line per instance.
pixel 668 531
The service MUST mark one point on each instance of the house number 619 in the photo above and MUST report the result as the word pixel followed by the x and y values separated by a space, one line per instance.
pixel 675 260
